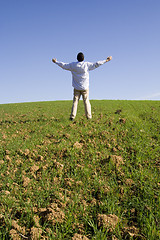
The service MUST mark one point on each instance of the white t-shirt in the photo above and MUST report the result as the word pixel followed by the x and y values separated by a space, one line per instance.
pixel 80 72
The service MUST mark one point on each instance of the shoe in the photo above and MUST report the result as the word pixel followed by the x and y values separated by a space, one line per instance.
pixel 71 118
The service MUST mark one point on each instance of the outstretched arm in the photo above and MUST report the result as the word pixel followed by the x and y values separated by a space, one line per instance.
pixel 109 59
pixel 92 66
pixel 54 60
pixel 65 66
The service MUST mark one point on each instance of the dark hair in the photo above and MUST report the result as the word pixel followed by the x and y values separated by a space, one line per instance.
pixel 80 57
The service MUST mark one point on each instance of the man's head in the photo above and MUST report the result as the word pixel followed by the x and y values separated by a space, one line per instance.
pixel 80 57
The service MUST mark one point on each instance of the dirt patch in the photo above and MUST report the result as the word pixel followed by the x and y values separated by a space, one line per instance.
pixel 117 160
pixel 78 145
pixel 118 111
pixel 18 228
pixel 79 237
pixel 52 214
pixel 58 165
pixel 122 120
pixel 132 232
pixel 2 221
pixel 7 157
pixel 34 168
pixel 26 181
pixel 36 233
pixel 36 220
pixel 107 221
pixel 14 235
pixel 129 182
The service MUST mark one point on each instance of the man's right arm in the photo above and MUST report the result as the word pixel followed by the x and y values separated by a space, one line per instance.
pixel 63 65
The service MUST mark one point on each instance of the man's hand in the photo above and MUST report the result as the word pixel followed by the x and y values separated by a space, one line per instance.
pixel 109 59
pixel 54 60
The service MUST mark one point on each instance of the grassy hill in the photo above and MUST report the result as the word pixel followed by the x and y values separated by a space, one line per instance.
pixel 87 179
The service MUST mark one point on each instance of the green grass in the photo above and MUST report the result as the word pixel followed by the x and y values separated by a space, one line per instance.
pixel 60 178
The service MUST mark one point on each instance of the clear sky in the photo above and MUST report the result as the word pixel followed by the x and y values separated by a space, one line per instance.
pixel 32 32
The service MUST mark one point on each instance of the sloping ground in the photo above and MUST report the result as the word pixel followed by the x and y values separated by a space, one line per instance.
pixel 95 179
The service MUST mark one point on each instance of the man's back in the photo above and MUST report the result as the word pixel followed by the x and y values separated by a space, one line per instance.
pixel 80 72
pixel 80 75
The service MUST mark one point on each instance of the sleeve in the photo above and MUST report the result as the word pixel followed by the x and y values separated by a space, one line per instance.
pixel 92 66
pixel 66 66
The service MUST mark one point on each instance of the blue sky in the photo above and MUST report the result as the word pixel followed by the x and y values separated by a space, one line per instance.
pixel 35 31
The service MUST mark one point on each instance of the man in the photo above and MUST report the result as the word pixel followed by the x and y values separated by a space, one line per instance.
pixel 80 81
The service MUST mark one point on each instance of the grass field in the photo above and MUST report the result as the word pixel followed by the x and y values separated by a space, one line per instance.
pixel 87 179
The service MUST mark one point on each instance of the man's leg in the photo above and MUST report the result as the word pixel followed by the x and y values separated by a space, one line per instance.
pixel 87 105
pixel 76 98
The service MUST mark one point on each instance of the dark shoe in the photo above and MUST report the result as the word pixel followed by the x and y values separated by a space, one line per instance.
pixel 71 118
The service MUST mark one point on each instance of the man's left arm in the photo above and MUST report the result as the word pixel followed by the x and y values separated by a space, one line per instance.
pixel 92 66
pixel 109 59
